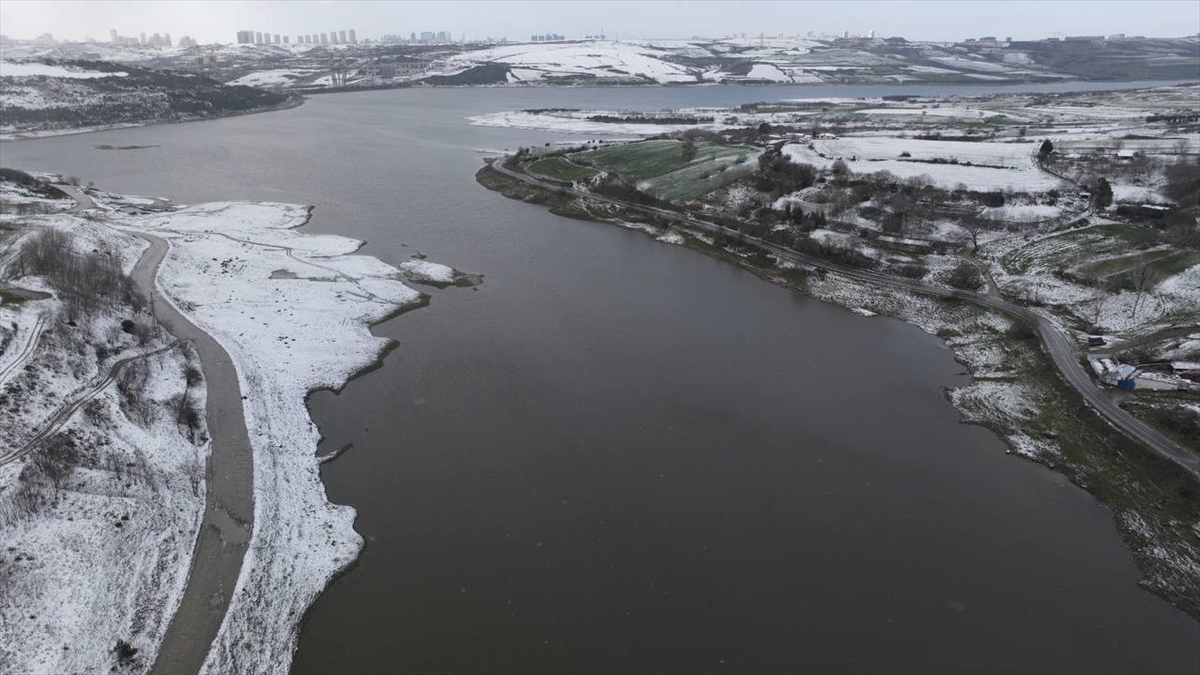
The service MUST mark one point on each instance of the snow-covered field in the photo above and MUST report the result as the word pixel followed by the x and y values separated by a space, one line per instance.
pixel 11 69
pixel 271 78
pixel 1029 273
pixel 993 166
pixel 1022 213
pixel 1124 193
pixel 606 60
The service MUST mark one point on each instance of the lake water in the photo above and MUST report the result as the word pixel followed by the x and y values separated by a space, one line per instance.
pixel 618 455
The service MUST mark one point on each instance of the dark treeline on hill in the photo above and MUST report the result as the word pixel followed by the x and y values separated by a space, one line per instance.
pixel 142 95
pixel 650 119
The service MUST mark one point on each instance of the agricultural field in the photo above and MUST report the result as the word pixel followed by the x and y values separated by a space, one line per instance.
pixel 558 168
pixel 662 169
pixel 978 165
pixel 1081 247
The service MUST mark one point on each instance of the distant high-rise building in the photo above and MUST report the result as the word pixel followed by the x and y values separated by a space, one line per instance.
pixel 333 37
pixel 167 39
pixel 412 37
pixel 112 36
pixel 342 36
pixel 245 37
pixel 353 39
pixel 285 39
pixel 324 38
pixel 258 37
pixel 143 38
pixel 186 41
pixel 278 39
pixel 428 36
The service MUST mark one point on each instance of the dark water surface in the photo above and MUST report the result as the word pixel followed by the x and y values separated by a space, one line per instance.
pixel 618 455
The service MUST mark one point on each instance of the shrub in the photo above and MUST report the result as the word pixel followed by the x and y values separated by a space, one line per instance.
pixel 966 276
pixel 1020 331
pixel 85 280
pixel 993 199
pixel 125 651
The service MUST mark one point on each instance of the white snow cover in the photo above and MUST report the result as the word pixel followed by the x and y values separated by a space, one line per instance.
pixel 869 154
pixel 1137 194
pixel 602 59
pixel 424 271
pixel 88 583
pixel 1022 213
pixel 287 337
pixel 11 69
pixel 270 78
pixel 107 558
pixel 767 71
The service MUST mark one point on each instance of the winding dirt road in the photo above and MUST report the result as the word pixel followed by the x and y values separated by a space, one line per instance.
pixel 229 497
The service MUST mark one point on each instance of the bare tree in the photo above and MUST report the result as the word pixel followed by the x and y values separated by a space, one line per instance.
pixel 974 225
pixel 1143 279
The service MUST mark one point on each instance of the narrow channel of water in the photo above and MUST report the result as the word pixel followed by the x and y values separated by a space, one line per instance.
pixel 618 455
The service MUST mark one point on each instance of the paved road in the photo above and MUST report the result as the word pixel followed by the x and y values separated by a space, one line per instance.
pixel 1056 343
pixel 229 499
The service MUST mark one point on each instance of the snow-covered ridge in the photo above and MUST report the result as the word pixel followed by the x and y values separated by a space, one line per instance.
pixel 11 69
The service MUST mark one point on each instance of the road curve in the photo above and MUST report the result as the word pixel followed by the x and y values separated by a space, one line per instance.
pixel 1056 344
pixel 229 496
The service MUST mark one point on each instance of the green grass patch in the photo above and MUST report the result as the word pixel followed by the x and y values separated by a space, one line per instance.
pixel 661 169
pixel 7 297
pixel 1162 411
pixel 1076 248
pixel 559 168
pixel 636 161
pixel 1177 263
pixel 1163 259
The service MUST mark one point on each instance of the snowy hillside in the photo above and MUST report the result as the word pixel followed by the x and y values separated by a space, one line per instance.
pixel 66 96
pixel 751 60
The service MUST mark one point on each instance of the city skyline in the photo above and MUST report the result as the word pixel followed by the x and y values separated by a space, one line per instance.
pixel 210 22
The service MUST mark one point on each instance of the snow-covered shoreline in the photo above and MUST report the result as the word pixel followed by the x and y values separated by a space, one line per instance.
pixel 11 135
pixel 294 312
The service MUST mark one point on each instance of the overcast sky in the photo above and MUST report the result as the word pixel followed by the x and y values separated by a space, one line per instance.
pixel 218 21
